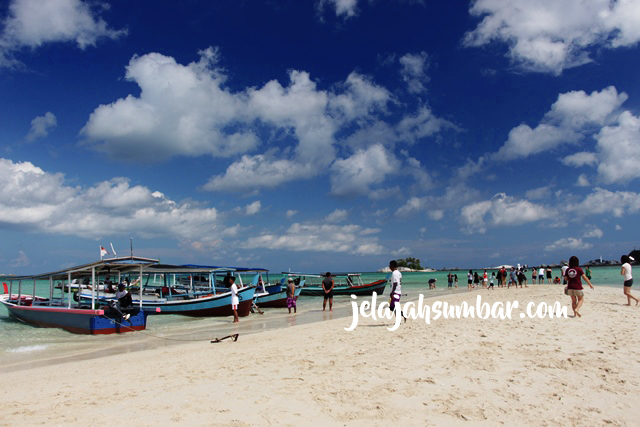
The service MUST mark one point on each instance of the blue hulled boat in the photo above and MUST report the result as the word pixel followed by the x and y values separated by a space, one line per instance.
pixel 81 317
pixel 196 291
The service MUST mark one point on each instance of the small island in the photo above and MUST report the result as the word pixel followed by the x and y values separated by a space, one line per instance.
pixel 408 265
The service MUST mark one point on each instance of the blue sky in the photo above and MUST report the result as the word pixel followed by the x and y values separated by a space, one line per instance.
pixel 319 135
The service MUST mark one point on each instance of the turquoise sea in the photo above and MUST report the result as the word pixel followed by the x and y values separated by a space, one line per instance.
pixel 23 346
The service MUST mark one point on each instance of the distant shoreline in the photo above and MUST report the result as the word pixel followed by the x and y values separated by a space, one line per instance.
pixel 407 270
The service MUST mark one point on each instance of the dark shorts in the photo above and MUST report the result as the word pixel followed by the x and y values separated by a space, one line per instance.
pixel 628 283
pixel 328 295
pixel 393 300
pixel 469 281
pixel 548 275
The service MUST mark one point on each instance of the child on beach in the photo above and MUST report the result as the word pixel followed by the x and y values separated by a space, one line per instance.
pixel 234 298
pixel 493 276
pixel 628 278
pixel 573 275
pixel 455 280
pixel 291 296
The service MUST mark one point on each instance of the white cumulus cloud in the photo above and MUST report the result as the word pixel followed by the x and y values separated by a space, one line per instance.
pixel 619 150
pixel 32 199
pixel 502 210
pixel 41 125
pixel 573 116
pixel 550 36
pixel 182 110
pixel 355 175
pixel 32 23
pixel 253 208
pixel 568 243
pixel 414 71
pixel 338 215
pixel 343 8
pixel 318 237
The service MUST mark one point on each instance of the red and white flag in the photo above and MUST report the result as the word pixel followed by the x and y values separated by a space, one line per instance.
pixel 103 251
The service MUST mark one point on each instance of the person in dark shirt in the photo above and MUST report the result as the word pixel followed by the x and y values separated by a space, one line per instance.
pixel 573 275
pixel 123 301
pixel 327 287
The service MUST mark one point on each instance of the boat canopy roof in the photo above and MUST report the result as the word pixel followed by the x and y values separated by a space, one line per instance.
pixel 184 269
pixel 130 264
pixel 111 265
pixel 217 267
pixel 292 273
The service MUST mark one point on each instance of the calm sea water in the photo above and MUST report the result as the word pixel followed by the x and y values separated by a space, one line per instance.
pixel 23 346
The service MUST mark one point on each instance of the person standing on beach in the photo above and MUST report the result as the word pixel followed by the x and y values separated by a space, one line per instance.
pixel 485 279
pixel 587 271
pixel 573 275
pixel 493 276
pixel 513 278
pixel 469 279
pixel 450 280
pixel 625 271
pixel 455 280
pixel 549 274
pixel 541 275
pixel 396 285
pixel 234 297
pixel 327 287
pixel 533 276
pixel 291 296
pixel 563 273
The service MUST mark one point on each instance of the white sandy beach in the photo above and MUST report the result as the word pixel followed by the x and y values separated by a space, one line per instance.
pixel 526 372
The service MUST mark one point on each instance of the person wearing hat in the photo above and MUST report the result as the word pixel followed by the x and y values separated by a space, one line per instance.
pixel 291 296
pixel 123 300
pixel 626 272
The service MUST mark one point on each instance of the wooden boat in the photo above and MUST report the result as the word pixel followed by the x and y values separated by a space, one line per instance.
pixel 344 284
pixel 267 295
pixel 187 290
pixel 275 295
pixel 65 313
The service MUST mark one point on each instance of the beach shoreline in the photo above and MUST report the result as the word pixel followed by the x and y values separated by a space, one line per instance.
pixel 556 372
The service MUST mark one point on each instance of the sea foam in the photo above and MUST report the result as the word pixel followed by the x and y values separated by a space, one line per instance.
pixel 27 349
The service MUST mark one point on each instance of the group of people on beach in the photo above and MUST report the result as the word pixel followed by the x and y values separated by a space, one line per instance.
pixel 572 276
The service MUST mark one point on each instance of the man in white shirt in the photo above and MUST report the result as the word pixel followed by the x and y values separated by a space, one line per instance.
pixel 564 270
pixel 234 298
pixel 396 286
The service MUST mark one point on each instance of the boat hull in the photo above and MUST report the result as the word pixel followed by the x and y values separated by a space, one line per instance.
pixel 275 300
pixel 206 306
pixel 361 290
pixel 76 320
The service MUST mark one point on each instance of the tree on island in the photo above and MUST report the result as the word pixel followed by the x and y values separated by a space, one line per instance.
pixel 412 263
